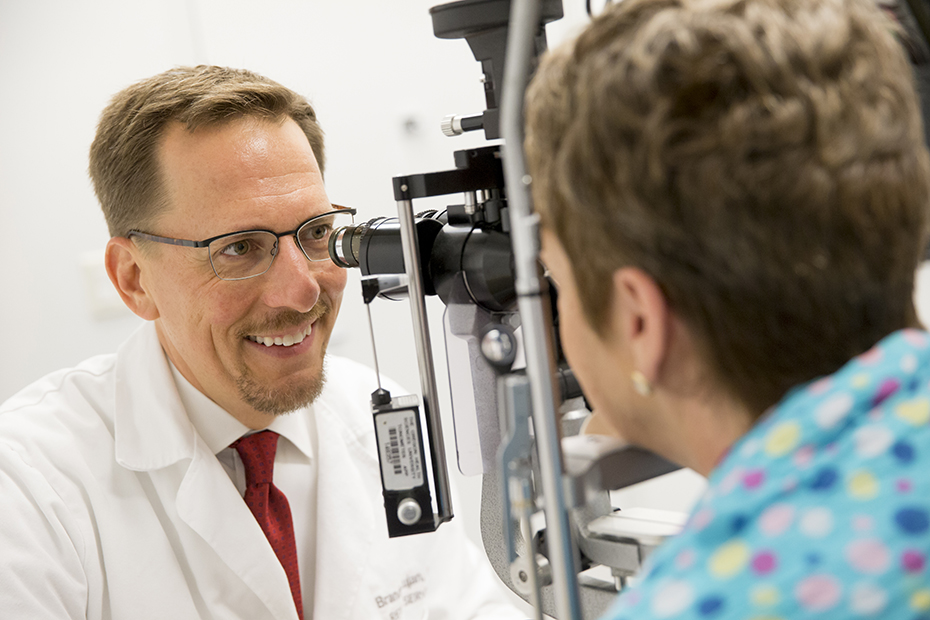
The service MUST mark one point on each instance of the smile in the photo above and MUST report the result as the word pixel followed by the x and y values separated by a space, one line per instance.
pixel 288 340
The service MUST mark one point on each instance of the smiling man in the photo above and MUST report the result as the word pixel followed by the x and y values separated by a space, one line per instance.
pixel 252 340
pixel 122 480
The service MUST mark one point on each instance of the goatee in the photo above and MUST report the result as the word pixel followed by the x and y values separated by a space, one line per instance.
pixel 281 400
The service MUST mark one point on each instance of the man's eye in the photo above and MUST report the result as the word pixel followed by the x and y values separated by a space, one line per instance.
pixel 237 248
pixel 320 232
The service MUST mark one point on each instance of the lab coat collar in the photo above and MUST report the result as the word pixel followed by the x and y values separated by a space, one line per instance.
pixel 152 432
pixel 151 428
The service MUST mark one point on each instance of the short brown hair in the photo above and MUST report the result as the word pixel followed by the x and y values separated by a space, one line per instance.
pixel 762 160
pixel 124 155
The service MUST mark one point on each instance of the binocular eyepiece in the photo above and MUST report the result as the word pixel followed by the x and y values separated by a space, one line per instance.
pixel 460 264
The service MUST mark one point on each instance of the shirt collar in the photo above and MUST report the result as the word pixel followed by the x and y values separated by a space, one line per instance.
pixel 818 412
pixel 219 429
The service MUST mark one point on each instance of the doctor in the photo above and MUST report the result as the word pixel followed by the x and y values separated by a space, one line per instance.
pixel 122 480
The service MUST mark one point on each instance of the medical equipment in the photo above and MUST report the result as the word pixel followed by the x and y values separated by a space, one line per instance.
pixel 546 514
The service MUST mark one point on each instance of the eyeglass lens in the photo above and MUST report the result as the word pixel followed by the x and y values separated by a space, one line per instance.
pixel 314 235
pixel 241 255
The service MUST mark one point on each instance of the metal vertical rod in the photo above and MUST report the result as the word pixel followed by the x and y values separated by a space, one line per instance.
pixel 531 292
pixel 374 349
pixel 408 237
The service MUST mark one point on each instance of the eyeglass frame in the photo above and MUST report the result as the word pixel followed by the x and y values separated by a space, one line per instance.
pixel 274 253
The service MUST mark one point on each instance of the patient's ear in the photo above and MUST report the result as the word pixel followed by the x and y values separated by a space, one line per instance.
pixel 641 314
pixel 125 264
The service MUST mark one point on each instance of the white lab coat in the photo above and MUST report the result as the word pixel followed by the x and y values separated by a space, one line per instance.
pixel 112 506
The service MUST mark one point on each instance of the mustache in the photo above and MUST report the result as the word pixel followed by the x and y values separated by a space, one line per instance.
pixel 287 319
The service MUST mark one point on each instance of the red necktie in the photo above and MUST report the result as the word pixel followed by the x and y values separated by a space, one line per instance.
pixel 269 505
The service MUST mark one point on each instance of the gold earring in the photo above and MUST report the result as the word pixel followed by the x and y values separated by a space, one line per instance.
pixel 641 383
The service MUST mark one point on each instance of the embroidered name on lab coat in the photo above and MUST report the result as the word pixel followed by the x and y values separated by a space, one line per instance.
pixel 407 594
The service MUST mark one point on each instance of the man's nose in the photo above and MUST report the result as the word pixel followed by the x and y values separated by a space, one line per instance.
pixel 292 279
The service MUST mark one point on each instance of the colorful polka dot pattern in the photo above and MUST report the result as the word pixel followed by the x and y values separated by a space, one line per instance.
pixel 269 505
pixel 822 509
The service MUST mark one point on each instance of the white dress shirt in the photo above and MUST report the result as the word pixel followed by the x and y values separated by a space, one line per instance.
pixel 295 467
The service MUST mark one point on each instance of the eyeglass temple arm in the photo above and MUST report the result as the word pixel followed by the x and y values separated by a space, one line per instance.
pixel 168 240
pixel 203 244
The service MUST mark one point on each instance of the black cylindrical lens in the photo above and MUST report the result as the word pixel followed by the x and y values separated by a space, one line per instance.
pixel 379 247
pixel 481 259
pixel 340 247
pixel 375 247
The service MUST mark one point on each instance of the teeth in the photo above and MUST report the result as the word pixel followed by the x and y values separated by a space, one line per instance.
pixel 283 341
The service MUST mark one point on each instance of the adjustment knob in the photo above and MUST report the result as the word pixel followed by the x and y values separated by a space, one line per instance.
pixel 409 511
pixel 452 125
pixel 457 124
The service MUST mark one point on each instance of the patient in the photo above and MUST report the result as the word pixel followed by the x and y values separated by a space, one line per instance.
pixel 734 200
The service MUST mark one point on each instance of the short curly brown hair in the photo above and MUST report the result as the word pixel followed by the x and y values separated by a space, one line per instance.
pixel 762 160
pixel 123 157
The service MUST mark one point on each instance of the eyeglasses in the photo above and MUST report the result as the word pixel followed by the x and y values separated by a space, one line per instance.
pixel 249 253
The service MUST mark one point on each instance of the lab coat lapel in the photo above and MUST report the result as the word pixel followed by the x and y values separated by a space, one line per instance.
pixel 210 505
pixel 345 518
pixel 152 433
pixel 151 429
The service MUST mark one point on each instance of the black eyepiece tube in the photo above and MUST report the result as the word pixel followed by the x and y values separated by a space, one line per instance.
pixel 340 247
pixel 375 247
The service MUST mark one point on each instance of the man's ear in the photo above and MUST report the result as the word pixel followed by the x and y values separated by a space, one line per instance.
pixel 124 266
pixel 641 314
